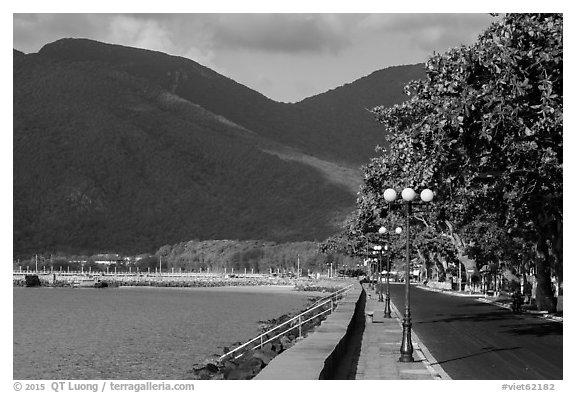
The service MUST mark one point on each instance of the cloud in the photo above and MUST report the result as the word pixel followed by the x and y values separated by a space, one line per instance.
pixel 149 34
pixel 202 34
pixel 32 31
pixel 287 56
pixel 428 32
pixel 283 33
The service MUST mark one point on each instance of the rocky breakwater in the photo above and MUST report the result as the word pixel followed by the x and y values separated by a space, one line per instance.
pixel 257 356
pixel 156 280
pixel 199 281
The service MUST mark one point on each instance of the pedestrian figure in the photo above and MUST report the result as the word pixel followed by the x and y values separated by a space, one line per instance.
pixel 528 292
pixel 516 301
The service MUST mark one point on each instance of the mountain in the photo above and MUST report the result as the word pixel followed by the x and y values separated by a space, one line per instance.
pixel 126 149
pixel 334 125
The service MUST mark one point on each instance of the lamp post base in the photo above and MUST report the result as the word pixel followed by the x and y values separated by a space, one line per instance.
pixel 406 359
pixel 387 311
pixel 406 349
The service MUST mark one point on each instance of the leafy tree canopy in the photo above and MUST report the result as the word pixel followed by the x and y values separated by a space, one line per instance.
pixel 484 131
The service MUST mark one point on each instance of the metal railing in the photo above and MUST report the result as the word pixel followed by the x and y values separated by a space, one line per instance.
pixel 295 322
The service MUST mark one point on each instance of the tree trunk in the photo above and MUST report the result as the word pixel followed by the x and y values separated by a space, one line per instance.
pixel 545 300
pixel 556 249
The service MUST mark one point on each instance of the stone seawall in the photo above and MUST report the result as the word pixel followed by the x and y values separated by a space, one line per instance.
pixel 59 279
pixel 326 353
pixel 164 280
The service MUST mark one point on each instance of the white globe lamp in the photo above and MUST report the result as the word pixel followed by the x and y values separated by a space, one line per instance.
pixel 408 194
pixel 427 195
pixel 390 195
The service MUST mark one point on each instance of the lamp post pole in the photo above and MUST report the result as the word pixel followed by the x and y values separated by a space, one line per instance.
pixel 380 289
pixel 387 313
pixel 406 348
pixel 387 310
pixel 370 270
pixel 378 251
pixel 408 195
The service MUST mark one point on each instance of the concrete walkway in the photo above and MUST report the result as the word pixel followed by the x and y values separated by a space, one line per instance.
pixel 380 350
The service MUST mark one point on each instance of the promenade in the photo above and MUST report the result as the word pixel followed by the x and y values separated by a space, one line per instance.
pixel 356 342
pixel 380 348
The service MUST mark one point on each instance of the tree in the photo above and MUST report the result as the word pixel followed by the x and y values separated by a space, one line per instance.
pixel 484 130
pixel 490 243
pixel 151 262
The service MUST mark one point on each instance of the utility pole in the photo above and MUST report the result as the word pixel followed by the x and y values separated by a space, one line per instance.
pixel 298 269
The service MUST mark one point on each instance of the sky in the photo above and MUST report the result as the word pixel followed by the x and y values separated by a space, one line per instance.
pixel 285 56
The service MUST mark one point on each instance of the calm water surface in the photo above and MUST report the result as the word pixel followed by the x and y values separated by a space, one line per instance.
pixel 134 333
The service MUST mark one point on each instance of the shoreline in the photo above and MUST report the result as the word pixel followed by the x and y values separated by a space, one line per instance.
pixel 277 289
pixel 253 361
pixel 261 284
pixel 263 289
pixel 224 288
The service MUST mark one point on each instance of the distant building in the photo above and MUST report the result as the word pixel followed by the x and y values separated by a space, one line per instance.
pixel 107 259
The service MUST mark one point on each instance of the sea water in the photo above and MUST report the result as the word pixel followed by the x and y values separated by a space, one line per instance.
pixel 134 333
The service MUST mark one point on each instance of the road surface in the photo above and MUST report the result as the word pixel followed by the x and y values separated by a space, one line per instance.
pixel 475 340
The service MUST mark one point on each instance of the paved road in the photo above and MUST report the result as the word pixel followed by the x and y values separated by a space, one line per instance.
pixel 474 340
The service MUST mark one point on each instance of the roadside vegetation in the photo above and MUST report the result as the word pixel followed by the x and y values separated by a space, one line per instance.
pixel 484 131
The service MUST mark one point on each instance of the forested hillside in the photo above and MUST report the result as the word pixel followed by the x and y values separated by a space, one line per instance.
pixel 126 150
pixel 334 125
pixel 103 160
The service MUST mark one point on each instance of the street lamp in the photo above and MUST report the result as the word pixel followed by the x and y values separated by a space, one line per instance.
pixel 408 195
pixel 378 250
pixel 367 261
pixel 387 309
pixel 368 264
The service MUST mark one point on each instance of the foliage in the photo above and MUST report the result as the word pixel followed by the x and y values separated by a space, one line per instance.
pixel 150 262
pixel 489 242
pixel 484 131
pixel 259 256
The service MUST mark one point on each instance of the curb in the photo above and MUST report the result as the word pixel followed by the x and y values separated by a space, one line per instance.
pixel 450 293
pixel 422 351
pixel 540 314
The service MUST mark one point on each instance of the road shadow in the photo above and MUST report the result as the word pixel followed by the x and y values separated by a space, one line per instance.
pixel 484 351
pixel 536 329
pixel 526 324
pixel 475 304
pixel 483 317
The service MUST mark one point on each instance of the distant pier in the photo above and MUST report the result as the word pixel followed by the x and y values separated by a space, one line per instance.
pixel 164 279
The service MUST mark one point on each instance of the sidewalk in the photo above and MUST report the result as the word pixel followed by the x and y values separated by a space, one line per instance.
pixel 380 349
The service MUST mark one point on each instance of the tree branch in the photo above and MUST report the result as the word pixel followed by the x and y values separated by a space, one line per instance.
pixel 422 220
